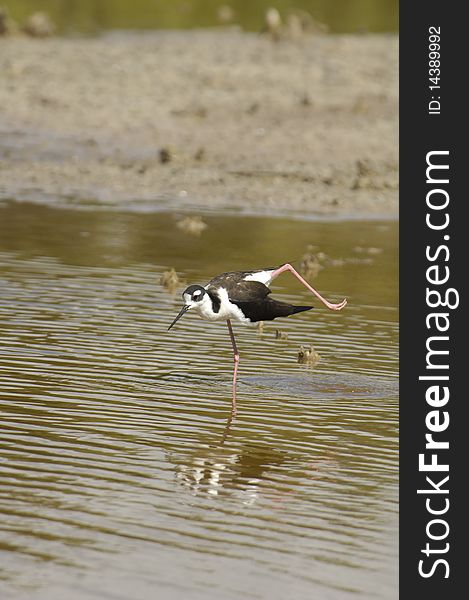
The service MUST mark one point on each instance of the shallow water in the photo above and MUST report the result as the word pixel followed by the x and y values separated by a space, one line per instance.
pixel 121 473
pixel 95 15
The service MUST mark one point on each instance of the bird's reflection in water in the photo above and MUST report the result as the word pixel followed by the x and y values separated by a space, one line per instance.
pixel 246 472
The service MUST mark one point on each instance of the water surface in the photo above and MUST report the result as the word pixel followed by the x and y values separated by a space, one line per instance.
pixel 121 473
pixel 95 15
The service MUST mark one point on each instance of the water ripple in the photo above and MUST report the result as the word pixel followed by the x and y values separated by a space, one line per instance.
pixel 119 459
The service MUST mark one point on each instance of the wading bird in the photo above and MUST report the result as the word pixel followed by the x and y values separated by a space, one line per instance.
pixel 243 296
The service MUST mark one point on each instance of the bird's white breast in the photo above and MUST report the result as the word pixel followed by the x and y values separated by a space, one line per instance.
pixel 228 310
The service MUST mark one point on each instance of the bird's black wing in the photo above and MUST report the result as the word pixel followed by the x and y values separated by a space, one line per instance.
pixel 233 278
pixel 247 291
pixel 224 279
pixel 268 309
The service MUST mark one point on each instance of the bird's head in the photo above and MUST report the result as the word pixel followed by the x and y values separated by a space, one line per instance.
pixel 195 296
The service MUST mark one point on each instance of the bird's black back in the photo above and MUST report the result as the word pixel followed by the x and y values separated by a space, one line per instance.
pixel 268 309
pixel 231 280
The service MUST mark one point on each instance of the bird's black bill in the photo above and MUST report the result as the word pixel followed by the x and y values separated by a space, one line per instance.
pixel 183 310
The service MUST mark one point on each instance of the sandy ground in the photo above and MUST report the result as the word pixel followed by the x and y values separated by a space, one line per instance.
pixel 210 119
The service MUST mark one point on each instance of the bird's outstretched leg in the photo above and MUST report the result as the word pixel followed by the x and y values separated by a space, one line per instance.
pixel 288 267
pixel 236 362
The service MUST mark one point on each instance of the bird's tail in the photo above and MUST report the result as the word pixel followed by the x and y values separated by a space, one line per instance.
pixel 297 309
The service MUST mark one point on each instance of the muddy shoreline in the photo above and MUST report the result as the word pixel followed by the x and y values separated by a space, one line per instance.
pixel 194 120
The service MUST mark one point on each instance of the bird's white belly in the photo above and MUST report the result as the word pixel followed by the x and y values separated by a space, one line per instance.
pixel 227 310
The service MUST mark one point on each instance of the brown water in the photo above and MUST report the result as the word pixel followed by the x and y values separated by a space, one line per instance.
pixel 96 15
pixel 121 475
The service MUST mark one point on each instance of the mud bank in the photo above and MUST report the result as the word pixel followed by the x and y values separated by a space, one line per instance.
pixel 213 119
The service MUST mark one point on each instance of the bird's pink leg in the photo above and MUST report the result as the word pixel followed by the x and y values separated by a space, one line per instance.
pixel 236 362
pixel 330 305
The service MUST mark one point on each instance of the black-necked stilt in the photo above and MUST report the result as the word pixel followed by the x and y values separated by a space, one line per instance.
pixel 243 296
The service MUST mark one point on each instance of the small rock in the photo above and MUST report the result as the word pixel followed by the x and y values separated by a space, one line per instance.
pixel 273 23
pixel 166 155
pixel 307 355
pixel 301 22
pixel 363 168
pixel 281 335
pixel 311 263
pixel 200 154
pixel 252 108
pixel 298 23
pixel 201 112
pixel 225 14
pixel 7 25
pixel 170 280
pixel 293 27
pixel 192 225
pixel 363 177
pixel 39 25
